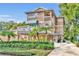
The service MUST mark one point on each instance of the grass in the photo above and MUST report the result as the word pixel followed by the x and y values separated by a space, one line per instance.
pixel 24 52
pixel 17 48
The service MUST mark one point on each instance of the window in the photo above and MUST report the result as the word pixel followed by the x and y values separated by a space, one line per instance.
pixel 47 18
pixel 47 13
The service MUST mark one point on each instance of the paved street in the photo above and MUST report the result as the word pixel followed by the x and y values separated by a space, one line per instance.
pixel 65 49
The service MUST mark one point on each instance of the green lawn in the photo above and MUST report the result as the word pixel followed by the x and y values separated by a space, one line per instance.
pixel 24 52
pixel 26 48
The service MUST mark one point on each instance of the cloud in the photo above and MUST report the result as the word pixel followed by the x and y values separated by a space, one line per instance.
pixel 7 18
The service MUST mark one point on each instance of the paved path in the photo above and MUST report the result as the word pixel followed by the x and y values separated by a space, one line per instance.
pixel 65 49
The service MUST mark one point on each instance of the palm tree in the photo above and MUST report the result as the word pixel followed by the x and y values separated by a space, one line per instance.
pixel 39 29
pixel 46 29
pixel 33 33
pixel 30 34
pixel 35 30
pixel 9 34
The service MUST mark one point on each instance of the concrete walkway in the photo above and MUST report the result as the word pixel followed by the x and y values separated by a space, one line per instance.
pixel 65 49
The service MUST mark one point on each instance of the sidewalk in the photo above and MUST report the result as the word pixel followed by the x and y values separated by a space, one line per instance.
pixel 65 49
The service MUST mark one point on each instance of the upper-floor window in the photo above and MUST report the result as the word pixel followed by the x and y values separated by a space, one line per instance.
pixel 30 14
pixel 47 14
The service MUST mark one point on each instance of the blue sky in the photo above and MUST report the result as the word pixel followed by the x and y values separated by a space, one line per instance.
pixel 16 11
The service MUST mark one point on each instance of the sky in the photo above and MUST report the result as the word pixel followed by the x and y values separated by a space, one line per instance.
pixel 16 11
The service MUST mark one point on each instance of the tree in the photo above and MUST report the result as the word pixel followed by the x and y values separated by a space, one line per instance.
pixel 31 34
pixel 46 29
pixel 9 34
pixel 34 32
pixel 2 25
pixel 69 11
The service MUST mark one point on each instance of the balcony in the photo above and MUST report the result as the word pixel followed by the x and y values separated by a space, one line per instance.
pixel 46 18
pixel 45 23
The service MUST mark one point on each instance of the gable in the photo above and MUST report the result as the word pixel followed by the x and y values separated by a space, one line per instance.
pixel 40 9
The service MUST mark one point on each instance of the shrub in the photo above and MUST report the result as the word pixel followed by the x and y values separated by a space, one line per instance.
pixel 77 44
pixel 28 45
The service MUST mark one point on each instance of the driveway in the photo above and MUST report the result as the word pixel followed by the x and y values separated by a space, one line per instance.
pixel 65 49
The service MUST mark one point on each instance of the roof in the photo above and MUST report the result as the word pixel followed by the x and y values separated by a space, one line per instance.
pixel 60 17
pixel 40 9
pixel 50 33
pixel 31 21
pixel 23 30
pixel 42 32
pixel 57 34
